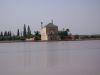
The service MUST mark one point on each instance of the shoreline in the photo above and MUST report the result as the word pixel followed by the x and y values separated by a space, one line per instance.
pixel 19 41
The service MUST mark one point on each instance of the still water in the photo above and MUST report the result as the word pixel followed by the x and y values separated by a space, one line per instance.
pixel 50 58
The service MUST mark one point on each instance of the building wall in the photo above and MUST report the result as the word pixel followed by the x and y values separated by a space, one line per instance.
pixel 54 29
pixel 45 33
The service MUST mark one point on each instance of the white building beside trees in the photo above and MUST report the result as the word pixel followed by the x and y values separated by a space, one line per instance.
pixel 49 32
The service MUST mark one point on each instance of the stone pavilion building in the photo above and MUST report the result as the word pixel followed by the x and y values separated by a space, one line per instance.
pixel 49 32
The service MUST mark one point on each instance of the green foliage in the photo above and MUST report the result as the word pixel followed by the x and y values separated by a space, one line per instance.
pixel 18 33
pixel 1 34
pixel 28 32
pixel 5 33
pixel 22 38
pixel 37 35
pixel 63 34
pixel 24 31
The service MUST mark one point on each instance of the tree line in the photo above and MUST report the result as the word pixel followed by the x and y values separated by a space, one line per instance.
pixel 27 34
pixel 8 35
pixel 65 34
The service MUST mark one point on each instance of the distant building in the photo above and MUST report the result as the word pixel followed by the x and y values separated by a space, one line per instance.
pixel 49 32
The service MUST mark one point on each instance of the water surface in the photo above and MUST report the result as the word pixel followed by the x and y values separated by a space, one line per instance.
pixel 50 58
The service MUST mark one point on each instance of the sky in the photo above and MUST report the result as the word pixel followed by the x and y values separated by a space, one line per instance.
pixel 80 16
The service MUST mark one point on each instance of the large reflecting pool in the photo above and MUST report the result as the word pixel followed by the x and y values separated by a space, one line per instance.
pixel 50 58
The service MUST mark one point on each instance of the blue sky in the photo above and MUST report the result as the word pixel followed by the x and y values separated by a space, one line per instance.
pixel 80 16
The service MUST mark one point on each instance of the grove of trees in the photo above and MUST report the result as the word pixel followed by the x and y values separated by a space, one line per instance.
pixel 8 35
